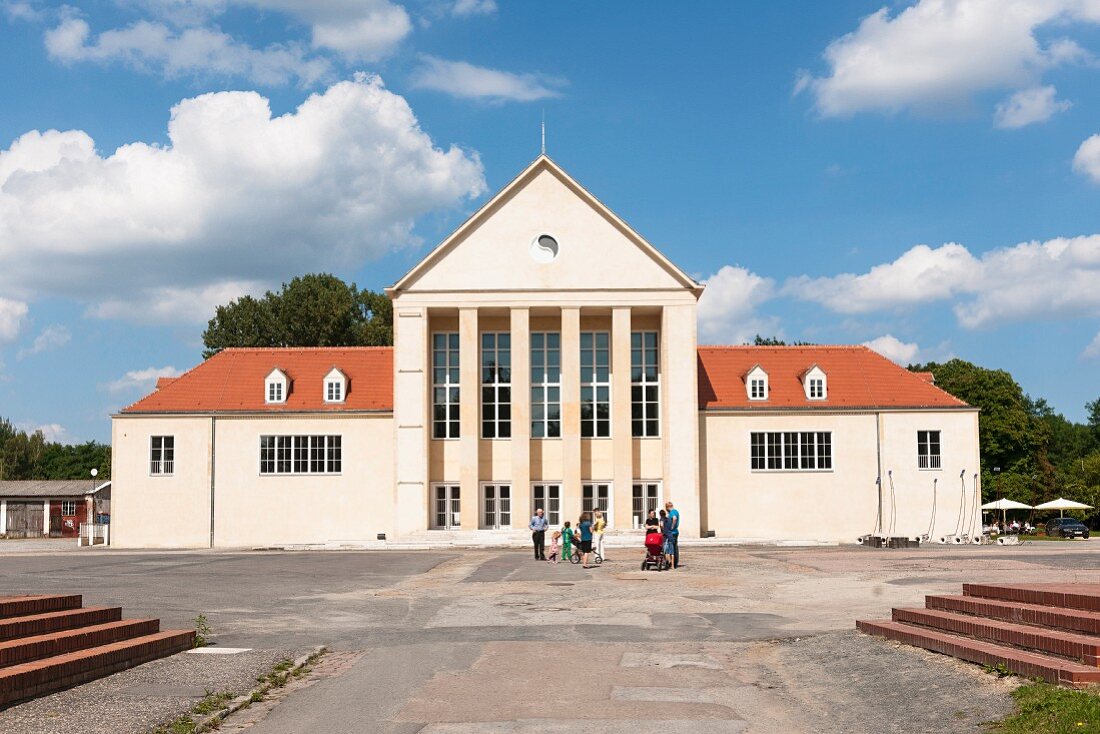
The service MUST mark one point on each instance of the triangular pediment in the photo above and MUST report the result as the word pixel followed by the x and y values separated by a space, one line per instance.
pixel 544 231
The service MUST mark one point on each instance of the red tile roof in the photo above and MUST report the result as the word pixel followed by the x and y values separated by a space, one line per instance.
pixel 233 381
pixel 856 377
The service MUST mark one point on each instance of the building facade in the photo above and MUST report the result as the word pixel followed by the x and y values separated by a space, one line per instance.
pixel 546 357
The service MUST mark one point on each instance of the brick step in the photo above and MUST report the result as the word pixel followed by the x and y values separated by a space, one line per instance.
pixel 1067 596
pixel 1021 662
pixel 27 680
pixel 41 624
pixel 21 606
pixel 39 647
pixel 1079 648
pixel 1070 620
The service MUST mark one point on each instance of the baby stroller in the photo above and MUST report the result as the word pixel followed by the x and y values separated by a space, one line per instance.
pixel 654 552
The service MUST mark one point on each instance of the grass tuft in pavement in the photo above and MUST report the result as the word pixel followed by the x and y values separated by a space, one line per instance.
pixel 1047 709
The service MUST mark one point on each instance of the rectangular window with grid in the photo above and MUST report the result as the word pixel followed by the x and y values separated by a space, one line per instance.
pixel 791 451
pixel 301 455
pixel 645 385
pixel 68 507
pixel 595 384
pixel 162 455
pixel 547 497
pixel 445 381
pixel 758 388
pixel 928 449
pixel 496 385
pixel 546 384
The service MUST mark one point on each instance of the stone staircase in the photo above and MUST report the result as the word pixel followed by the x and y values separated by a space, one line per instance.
pixel 1051 631
pixel 52 642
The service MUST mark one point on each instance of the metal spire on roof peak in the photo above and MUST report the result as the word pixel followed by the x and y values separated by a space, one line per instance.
pixel 544 132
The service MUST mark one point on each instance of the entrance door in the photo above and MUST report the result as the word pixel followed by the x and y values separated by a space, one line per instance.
pixel 597 496
pixel 646 497
pixel 25 519
pixel 448 503
pixel 496 506
pixel 547 497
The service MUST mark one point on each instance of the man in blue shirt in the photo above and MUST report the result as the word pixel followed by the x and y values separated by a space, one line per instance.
pixel 538 527
pixel 674 533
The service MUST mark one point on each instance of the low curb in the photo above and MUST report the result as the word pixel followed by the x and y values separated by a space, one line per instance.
pixel 211 721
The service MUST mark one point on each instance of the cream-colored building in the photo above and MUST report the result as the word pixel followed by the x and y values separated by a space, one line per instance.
pixel 545 356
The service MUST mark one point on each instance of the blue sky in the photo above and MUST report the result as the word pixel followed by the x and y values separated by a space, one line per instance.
pixel 921 176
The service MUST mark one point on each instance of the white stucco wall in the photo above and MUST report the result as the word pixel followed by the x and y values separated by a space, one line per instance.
pixel 249 509
pixel 160 511
pixel 841 504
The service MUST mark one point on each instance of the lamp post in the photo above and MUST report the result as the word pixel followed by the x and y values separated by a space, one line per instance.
pixel 91 505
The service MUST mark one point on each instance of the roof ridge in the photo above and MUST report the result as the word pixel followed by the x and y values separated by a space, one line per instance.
pixel 785 346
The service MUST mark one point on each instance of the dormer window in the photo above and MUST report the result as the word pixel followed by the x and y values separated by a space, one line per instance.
pixel 336 384
pixel 756 381
pixel 815 383
pixel 276 386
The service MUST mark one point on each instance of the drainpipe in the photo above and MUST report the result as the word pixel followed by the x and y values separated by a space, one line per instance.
pixel 213 464
pixel 878 480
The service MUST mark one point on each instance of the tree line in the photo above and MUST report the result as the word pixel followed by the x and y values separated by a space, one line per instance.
pixel 1029 452
pixel 30 456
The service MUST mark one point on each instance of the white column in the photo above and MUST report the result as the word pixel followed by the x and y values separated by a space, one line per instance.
pixel 680 414
pixel 469 381
pixel 521 416
pixel 571 413
pixel 46 517
pixel 411 419
pixel 621 432
pixel 3 516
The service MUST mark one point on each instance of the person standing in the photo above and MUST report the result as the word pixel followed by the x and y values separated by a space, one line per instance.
pixel 598 529
pixel 538 527
pixel 584 529
pixel 674 533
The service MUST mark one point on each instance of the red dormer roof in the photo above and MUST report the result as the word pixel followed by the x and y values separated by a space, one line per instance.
pixel 858 378
pixel 233 380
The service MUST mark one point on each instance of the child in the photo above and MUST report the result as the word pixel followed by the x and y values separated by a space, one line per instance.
pixel 553 557
pixel 566 541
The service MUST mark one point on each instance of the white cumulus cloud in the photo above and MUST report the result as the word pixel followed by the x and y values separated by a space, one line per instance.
pixel 727 309
pixel 51 337
pixel 1087 159
pixel 1031 280
pixel 894 349
pixel 474 7
pixel 141 380
pixel 155 47
pixel 12 314
pixel 464 80
pixel 1092 351
pixel 236 201
pixel 937 55
pixel 1029 106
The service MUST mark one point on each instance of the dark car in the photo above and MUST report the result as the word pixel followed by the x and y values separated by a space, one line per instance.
pixel 1066 527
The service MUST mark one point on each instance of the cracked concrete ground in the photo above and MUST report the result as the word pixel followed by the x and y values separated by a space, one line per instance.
pixel 463 642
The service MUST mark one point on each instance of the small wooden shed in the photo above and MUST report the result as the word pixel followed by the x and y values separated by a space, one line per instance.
pixel 52 508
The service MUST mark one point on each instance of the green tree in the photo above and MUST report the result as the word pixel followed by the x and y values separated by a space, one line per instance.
pixel 317 310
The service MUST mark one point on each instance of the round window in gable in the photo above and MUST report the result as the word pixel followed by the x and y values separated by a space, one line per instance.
pixel 544 249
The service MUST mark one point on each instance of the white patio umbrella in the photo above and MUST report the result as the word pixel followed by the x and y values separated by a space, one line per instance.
pixel 1062 505
pixel 1004 506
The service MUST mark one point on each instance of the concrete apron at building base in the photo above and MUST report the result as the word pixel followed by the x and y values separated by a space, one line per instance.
pixel 443 539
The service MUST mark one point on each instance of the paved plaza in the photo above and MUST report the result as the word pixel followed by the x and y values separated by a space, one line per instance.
pixel 753 639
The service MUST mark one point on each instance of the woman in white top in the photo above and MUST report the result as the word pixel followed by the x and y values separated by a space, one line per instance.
pixel 597 530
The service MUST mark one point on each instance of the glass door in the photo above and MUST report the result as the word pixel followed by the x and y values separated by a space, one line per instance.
pixel 547 497
pixel 646 497
pixel 447 509
pixel 496 506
